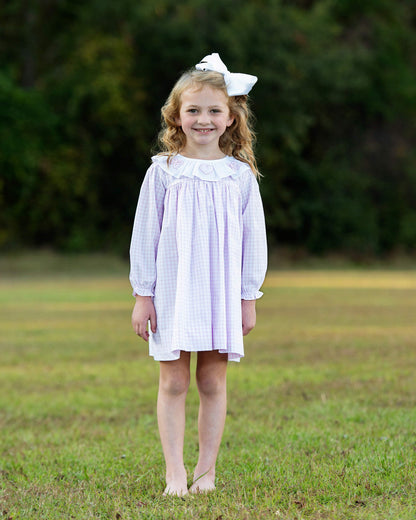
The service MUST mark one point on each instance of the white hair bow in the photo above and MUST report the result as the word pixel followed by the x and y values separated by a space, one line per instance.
pixel 237 84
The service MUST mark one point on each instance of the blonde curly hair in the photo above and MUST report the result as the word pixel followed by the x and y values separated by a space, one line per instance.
pixel 237 140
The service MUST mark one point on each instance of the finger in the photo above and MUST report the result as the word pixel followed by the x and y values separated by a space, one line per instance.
pixel 145 335
pixel 142 332
pixel 247 329
pixel 153 321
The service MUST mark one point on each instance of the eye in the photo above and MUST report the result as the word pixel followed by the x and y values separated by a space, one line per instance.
pixel 216 110
pixel 192 110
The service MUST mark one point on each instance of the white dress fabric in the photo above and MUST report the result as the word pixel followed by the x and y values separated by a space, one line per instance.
pixel 198 248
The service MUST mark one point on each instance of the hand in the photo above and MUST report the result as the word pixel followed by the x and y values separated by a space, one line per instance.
pixel 248 313
pixel 143 311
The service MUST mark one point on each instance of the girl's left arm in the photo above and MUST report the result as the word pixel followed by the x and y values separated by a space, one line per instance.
pixel 248 315
pixel 254 252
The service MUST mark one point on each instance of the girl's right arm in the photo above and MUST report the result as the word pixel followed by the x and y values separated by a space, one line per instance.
pixel 143 311
pixel 143 250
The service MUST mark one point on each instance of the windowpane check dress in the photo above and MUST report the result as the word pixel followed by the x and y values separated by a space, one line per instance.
pixel 198 248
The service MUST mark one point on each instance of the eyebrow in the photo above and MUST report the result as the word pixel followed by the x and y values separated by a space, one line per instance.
pixel 198 106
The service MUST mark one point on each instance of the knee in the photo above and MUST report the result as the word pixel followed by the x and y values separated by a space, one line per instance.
pixel 210 384
pixel 175 384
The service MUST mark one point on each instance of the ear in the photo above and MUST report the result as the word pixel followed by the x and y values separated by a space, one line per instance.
pixel 178 121
pixel 230 120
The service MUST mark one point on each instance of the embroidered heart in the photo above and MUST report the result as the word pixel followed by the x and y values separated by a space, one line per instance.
pixel 176 162
pixel 206 169
pixel 233 165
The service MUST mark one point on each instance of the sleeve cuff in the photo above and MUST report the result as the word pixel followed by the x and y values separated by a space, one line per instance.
pixel 251 296
pixel 140 291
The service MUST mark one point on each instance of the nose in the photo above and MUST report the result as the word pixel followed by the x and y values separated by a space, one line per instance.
pixel 204 118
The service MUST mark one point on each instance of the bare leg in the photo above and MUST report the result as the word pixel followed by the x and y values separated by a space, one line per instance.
pixel 173 387
pixel 211 380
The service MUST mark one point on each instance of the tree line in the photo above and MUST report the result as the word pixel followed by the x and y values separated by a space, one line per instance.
pixel 82 83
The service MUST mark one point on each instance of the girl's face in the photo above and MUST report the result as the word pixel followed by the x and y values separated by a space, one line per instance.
pixel 204 116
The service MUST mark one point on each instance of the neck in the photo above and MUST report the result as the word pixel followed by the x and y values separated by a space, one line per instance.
pixel 204 154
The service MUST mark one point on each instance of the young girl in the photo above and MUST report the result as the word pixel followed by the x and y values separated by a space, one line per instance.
pixel 198 256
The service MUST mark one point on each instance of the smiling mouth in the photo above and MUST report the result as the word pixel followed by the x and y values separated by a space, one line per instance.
pixel 204 130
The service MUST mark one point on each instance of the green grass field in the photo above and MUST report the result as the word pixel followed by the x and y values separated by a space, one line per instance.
pixel 321 419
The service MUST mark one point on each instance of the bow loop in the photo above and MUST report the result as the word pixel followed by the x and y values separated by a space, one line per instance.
pixel 237 84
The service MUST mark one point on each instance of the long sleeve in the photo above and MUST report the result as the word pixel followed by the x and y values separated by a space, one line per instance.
pixel 254 253
pixel 146 233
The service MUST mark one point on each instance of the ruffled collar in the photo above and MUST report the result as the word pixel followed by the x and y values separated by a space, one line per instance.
pixel 206 170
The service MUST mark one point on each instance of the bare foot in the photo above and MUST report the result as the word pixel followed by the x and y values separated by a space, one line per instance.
pixel 203 484
pixel 176 486
pixel 176 490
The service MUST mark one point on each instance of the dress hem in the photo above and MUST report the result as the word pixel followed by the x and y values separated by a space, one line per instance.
pixel 174 355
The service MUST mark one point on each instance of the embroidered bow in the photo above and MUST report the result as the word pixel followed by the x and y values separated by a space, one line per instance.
pixel 237 84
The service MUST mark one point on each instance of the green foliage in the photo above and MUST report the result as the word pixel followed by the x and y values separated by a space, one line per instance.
pixel 26 126
pixel 335 104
